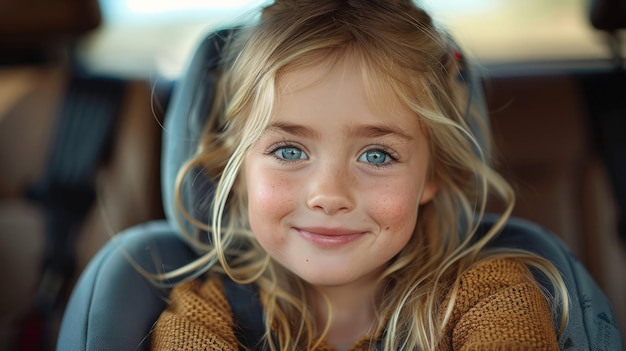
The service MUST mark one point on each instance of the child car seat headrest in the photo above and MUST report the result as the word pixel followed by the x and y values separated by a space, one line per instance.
pixel 192 98
pixel 608 15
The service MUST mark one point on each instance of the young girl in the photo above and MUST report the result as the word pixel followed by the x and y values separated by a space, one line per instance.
pixel 349 188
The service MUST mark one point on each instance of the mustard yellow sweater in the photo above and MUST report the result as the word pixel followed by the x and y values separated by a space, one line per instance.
pixel 498 308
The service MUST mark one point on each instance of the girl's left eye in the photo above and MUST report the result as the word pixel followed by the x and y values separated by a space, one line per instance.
pixel 375 157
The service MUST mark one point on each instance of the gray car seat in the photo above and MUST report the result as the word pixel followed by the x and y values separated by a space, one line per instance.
pixel 113 306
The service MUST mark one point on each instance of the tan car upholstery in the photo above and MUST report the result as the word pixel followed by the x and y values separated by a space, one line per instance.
pixel 127 183
pixel 544 139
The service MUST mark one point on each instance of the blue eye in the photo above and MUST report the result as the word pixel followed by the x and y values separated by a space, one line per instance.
pixel 376 157
pixel 290 153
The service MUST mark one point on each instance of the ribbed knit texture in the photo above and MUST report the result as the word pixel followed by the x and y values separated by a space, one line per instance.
pixel 198 318
pixel 498 307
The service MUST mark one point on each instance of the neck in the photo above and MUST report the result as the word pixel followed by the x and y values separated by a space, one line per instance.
pixel 353 313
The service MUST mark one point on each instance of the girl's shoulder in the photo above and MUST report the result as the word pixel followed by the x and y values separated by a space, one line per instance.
pixel 210 289
pixel 199 294
pixel 498 272
pixel 198 316
pixel 498 303
pixel 495 279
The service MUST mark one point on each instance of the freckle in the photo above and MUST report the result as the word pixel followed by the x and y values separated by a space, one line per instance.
pixel 307 260
pixel 387 228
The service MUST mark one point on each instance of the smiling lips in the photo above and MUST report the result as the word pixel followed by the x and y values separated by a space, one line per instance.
pixel 329 237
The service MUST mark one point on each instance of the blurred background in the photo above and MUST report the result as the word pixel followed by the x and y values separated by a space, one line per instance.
pixel 84 85
pixel 494 31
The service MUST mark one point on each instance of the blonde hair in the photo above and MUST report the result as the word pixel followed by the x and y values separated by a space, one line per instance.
pixel 399 48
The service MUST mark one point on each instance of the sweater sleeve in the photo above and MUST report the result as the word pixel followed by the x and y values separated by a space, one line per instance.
pixel 197 318
pixel 500 307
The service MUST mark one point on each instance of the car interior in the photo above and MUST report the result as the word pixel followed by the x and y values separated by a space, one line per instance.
pixel 89 152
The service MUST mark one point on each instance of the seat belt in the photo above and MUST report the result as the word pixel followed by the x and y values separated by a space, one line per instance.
pixel 605 95
pixel 67 191
pixel 248 316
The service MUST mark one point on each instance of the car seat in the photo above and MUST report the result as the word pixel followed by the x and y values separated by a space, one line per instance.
pixel 114 307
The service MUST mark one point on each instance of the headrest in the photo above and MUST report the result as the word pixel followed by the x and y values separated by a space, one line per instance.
pixel 189 107
pixel 33 23
pixel 609 15
pixel 191 101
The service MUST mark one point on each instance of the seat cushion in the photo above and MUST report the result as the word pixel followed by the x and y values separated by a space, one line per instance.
pixel 113 306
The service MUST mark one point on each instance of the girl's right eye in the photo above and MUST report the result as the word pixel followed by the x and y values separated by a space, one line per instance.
pixel 290 153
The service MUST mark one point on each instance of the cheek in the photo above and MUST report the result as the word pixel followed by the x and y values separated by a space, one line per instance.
pixel 269 200
pixel 395 208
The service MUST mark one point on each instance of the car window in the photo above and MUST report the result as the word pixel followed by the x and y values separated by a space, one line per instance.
pixel 148 37
pixel 505 30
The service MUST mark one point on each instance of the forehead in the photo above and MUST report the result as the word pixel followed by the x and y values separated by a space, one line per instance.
pixel 340 99
pixel 378 90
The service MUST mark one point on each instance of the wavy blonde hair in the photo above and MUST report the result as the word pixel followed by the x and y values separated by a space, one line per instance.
pixel 399 48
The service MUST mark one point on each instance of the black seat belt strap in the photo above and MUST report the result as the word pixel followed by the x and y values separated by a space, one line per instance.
pixel 605 96
pixel 248 313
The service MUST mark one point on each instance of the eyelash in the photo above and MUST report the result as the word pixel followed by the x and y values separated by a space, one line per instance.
pixel 387 150
pixel 270 151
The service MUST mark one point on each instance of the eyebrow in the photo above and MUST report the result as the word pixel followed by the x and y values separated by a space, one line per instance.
pixel 362 131
pixel 293 129
pixel 375 131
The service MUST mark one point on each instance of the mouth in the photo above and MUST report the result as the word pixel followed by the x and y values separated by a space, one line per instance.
pixel 329 237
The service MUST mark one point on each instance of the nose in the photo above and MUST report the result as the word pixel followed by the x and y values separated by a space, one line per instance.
pixel 330 190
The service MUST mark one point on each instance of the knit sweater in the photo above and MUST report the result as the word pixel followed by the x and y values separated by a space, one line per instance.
pixel 498 307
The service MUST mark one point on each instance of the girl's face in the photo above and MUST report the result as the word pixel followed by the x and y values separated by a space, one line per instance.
pixel 333 184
